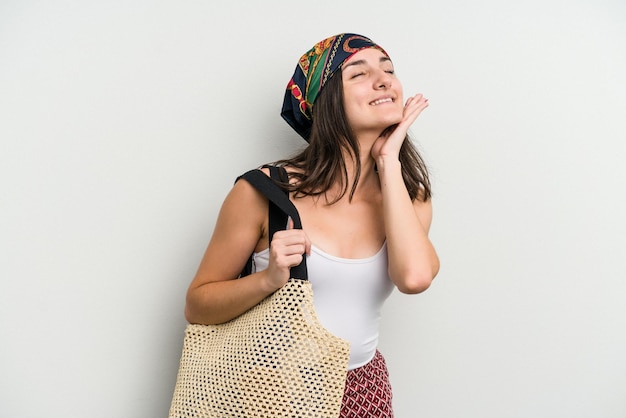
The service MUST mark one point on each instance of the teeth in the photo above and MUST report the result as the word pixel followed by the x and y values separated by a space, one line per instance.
pixel 379 101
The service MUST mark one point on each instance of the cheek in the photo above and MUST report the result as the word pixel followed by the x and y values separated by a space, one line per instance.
pixel 400 94
pixel 351 106
pixel 400 101
pixel 351 113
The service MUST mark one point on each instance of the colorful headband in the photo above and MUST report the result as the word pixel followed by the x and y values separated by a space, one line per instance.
pixel 314 69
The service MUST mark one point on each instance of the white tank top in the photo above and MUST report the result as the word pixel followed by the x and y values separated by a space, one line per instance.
pixel 348 295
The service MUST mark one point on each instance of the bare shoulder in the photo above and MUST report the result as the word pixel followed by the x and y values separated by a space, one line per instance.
pixel 243 212
pixel 239 230
pixel 244 198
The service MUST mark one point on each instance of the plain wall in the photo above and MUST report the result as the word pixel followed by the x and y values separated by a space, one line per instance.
pixel 123 125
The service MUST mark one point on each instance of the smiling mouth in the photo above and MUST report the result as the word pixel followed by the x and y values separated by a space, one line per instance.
pixel 380 101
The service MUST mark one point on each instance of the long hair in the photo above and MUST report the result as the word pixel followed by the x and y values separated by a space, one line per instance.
pixel 320 165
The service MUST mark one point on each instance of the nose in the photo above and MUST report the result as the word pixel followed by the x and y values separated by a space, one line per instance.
pixel 383 81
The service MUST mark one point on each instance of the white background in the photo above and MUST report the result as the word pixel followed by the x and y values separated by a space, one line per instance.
pixel 123 124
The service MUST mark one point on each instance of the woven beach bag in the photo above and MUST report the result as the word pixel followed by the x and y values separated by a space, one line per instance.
pixel 275 360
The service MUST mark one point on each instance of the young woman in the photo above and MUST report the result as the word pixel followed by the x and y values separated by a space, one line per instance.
pixel 363 195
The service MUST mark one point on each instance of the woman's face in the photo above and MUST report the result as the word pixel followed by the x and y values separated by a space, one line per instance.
pixel 372 94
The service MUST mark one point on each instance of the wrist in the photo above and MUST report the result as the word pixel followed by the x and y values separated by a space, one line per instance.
pixel 388 165
pixel 266 284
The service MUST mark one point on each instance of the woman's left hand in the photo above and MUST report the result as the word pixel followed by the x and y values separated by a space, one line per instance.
pixel 389 142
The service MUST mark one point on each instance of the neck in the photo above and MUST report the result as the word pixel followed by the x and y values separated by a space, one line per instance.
pixel 368 177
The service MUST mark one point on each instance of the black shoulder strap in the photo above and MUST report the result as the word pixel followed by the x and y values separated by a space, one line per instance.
pixel 280 199
pixel 277 218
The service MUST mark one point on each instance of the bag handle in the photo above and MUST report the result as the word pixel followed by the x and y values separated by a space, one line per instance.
pixel 268 188
pixel 277 218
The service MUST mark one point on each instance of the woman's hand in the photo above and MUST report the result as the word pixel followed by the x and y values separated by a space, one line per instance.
pixel 389 142
pixel 286 251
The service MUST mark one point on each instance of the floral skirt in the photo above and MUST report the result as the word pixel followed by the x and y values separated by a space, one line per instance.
pixel 368 391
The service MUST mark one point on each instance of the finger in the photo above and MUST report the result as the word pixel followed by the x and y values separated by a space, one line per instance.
pixel 416 100
pixel 296 240
pixel 414 108
pixel 298 243
pixel 289 223
pixel 307 244
pixel 294 260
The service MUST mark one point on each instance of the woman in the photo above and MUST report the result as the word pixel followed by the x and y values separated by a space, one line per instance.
pixel 363 195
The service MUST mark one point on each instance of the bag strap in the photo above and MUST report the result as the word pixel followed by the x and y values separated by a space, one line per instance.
pixel 277 196
pixel 277 218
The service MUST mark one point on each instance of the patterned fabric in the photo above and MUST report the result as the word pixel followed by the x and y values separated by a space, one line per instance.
pixel 368 391
pixel 314 69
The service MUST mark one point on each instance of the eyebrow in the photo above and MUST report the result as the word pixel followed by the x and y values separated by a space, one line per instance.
pixel 362 62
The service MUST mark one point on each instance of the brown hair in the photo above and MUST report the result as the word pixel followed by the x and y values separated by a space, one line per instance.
pixel 321 164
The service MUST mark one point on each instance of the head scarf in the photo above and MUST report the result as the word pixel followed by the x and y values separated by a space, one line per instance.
pixel 314 69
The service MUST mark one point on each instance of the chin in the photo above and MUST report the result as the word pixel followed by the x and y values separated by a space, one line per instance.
pixel 392 121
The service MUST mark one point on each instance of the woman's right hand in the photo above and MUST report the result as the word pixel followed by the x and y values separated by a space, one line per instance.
pixel 286 251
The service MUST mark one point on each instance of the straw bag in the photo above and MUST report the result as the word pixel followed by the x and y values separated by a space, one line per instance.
pixel 275 360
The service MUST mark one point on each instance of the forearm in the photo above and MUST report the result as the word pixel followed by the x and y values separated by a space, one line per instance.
pixel 413 262
pixel 220 301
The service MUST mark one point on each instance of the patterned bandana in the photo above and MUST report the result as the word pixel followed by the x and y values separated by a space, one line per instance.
pixel 314 69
